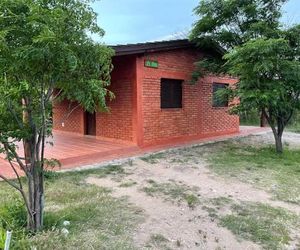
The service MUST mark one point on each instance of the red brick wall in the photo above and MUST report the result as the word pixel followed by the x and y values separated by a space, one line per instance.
pixel 197 117
pixel 118 123
pixel 135 115
pixel 61 121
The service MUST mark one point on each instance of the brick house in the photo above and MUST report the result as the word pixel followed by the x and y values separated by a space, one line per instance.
pixel 155 101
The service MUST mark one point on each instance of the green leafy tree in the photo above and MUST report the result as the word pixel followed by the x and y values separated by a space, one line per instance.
pixel 240 28
pixel 225 24
pixel 45 54
pixel 269 80
pixel 229 23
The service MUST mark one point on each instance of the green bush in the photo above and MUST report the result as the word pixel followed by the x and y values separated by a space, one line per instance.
pixel 250 118
pixel 13 215
pixel 50 175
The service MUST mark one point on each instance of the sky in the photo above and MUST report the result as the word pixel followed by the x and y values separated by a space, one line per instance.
pixel 133 21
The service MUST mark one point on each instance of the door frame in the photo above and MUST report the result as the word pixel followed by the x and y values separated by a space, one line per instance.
pixel 85 122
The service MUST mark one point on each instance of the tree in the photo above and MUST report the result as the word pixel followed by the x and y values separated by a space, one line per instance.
pixel 225 24
pixel 269 80
pixel 45 54
pixel 231 24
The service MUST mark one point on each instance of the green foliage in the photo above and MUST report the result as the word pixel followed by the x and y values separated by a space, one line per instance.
pixel 47 55
pixel 227 24
pixel 269 75
pixel 232 22
pixel 260 53
pixel 269 79
pixel 13 215
pixel 12 218
pixel 50 175
pixel 249 117
pixel 45 46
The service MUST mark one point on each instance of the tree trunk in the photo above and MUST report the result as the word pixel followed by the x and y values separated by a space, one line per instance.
pixel 35 176
pixel 36 199
pixel 263 120
pixel 278 142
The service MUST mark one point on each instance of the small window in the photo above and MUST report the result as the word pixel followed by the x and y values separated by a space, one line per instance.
pixel 170 93
pixel 217 101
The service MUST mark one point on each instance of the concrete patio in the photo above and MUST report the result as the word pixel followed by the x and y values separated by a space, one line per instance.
pixel 75 151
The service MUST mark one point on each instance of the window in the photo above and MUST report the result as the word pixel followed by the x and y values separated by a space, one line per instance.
pixel 170 93
pixel 218 101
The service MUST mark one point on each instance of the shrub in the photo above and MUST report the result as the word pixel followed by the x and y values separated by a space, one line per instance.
pixel 13 215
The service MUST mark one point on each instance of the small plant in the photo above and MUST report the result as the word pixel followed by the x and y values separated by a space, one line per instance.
pixel 153 158
pixel 192 200
pixel 130 162
pixel 220 201
pixel 157 241
pixel 128 184
pixel 212 212
pixel 50 175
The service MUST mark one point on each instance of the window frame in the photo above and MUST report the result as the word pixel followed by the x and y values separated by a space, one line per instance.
pixel 167 103
pixel 217 103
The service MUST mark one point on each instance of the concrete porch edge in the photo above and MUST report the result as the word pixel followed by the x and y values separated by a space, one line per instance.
pixel 166 148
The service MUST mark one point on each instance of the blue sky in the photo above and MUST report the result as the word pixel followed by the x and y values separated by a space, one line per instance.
pixel 132 21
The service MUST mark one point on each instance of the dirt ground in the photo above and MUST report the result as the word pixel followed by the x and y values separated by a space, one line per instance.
pixel 173 223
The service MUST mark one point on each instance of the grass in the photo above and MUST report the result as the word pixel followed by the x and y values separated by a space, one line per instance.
pixel 153 158
pixel 98 221
pixel 260 166
pixel 158 241
pixel 172 191
pixel 128 184
pixel 263 224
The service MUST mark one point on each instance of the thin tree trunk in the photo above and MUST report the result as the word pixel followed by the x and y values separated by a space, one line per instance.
pixel 35 176
pixel 26 145
pixel 278 143
pixel 36 198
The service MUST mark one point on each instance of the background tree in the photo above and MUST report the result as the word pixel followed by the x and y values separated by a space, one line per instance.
pixel 269 80
pixel 231 24
pixel 45 54
pixel 227 24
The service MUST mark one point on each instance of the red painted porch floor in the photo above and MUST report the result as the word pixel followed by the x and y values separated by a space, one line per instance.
pixel 75 150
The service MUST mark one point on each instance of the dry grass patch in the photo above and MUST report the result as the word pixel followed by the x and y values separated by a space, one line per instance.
pixel 173 192
pixel 268 226
pixel 260 166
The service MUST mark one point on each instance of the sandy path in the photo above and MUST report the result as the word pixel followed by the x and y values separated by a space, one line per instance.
pixel 193 228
